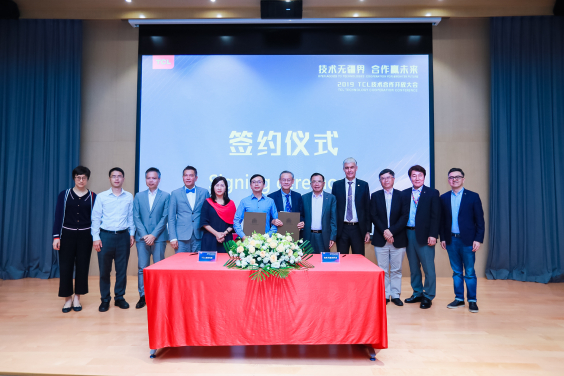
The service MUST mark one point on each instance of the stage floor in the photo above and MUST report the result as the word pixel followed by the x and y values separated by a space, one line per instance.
pixel 519 331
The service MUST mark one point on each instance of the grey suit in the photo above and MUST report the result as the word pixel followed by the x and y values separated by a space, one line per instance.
pixel 184 221
pixel 320 242
pixel 150 221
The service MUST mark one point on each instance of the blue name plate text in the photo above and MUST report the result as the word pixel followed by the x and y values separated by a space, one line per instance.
pixel 330 257
pixel 207 256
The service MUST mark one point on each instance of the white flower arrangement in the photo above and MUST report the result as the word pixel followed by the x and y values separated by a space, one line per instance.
pixel 267 256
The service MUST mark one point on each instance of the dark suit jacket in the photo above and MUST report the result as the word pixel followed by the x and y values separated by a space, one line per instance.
pixel 428 216
pixel 399 214
pixel 361 201
pixel 470 218
pixel 328 218
pixel 296 201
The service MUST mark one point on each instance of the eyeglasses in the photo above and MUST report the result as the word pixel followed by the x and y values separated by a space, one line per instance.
pixel 257 182
pixel 81 178
pixel 286 180
pixel 386 178
pixel 458 177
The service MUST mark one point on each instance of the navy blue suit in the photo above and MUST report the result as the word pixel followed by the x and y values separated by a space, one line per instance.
pixel 297 201
pixel 470 218
pixel 471 228
pixel 297 204
pixel 399 214
pixel 352 236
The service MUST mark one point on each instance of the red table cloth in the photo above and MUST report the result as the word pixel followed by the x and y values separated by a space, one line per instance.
pixel 191 303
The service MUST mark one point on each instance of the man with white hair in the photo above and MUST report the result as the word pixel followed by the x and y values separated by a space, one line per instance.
pixel 353 210
pixel 287 200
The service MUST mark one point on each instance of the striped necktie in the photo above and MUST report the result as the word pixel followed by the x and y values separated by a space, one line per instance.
pixel 288 205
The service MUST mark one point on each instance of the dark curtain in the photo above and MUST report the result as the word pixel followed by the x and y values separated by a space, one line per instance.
pixel 40 69
pixel 527 149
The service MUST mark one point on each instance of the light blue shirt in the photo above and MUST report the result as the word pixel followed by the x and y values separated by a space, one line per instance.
pixel 112 213
pixel 284 199
pixel 254 205
pixel 415 193
pixel 455 200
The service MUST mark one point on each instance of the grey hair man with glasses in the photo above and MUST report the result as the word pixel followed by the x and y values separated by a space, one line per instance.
pixel 287 200
pixel 389 213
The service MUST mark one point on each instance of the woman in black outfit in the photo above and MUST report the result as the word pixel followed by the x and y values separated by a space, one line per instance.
pixel 72 238
pixel 217 217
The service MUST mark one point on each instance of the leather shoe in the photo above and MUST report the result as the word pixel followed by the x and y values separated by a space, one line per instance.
pixel 425 303
pixel 122 304
pixel 141 302
pixel 473 307
pixel 104 306
pixel 414 299
pixel 456 304
pixel 67 309
pixel 397 301
pixel 76 308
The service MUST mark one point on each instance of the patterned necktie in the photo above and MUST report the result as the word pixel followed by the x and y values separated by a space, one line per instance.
pixel 193 190
pixel 415 194
pixel 349 216
pixel 288 205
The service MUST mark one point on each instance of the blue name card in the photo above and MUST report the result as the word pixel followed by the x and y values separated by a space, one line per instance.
pixel 330 257
pixel 207 256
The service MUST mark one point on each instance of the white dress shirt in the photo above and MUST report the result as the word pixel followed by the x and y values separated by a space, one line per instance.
pixel 388 197
pixel 152 196
pixel 191 198
pixel 316 211
pixel 112 213
pixel 353 186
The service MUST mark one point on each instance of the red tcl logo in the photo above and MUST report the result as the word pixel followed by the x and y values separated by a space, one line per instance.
pixel 163 61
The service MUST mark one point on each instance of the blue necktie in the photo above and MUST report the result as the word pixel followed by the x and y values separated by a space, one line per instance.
pixel 288 205
pixel 193 190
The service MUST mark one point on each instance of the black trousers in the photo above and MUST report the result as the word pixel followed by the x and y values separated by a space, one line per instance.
pixel 74 254
pixel 350 238
pixel 115 247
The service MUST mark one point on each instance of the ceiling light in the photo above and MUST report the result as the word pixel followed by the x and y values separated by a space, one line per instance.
pixel 355 15
pixel 141 16
pixel 128 1
pixel 219 16
pixel 427 14
pixel 213 1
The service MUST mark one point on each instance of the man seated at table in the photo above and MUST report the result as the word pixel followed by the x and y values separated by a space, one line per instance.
pixel 256 203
